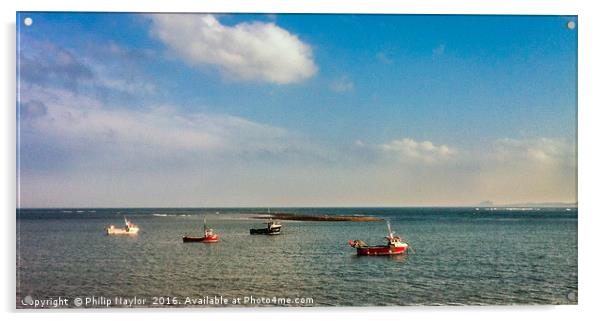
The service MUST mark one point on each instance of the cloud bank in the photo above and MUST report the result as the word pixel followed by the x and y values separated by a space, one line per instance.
pixel 247 51
pixel 542 150
pixel 102 136
pixel 535 169
pixel 425 151
pixel 107 70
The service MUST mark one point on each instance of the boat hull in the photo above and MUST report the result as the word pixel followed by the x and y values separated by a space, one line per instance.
pixel 265 231
pixel 121 231
pixel 200 239
pixel 380 250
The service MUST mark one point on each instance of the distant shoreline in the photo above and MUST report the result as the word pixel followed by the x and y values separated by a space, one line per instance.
pixel 333 218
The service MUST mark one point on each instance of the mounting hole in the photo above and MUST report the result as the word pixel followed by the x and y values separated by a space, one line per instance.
pixel 571 25
pixel 27 21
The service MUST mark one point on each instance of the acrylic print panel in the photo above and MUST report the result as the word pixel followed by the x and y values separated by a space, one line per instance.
pixel 262 160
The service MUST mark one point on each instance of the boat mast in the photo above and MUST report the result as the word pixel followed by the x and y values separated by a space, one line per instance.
pixel 389 228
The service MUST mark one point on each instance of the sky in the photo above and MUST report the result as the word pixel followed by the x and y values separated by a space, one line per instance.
pixel 295 110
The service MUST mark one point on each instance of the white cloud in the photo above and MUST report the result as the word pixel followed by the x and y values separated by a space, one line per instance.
pixel 425 151
pixel 128 86
pixel 541 150
pixel 248 51
pixel 528 170
pixel 341 85
pixel 100 69
pixel 93 132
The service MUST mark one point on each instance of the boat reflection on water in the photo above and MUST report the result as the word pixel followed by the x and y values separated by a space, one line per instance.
pixel 399 258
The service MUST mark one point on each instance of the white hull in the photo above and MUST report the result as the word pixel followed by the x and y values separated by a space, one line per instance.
pixel 111 230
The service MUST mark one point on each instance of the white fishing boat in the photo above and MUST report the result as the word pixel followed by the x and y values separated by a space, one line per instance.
pixel 129 229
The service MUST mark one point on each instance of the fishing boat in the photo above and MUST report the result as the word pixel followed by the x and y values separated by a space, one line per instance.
pixel 395 245
pixel 209 237
pixel 129 229
pixel 272 228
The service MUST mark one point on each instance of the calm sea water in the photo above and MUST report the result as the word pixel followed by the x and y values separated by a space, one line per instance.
pixel 462 256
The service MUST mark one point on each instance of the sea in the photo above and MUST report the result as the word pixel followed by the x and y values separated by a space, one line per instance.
pixel 458 256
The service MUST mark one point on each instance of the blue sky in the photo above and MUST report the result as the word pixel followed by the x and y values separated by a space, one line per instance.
pixel 296 110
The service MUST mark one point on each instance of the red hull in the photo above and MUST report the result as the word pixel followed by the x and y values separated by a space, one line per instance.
pixel 201 239
pixel 380 250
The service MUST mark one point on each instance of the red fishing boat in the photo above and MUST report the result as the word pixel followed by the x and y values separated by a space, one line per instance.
pixel 209 237
pixel 395 245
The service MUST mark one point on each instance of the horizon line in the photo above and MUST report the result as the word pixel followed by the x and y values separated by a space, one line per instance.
pixel 541 205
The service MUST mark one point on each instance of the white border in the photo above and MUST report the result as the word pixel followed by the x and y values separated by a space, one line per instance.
pixel 590 54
